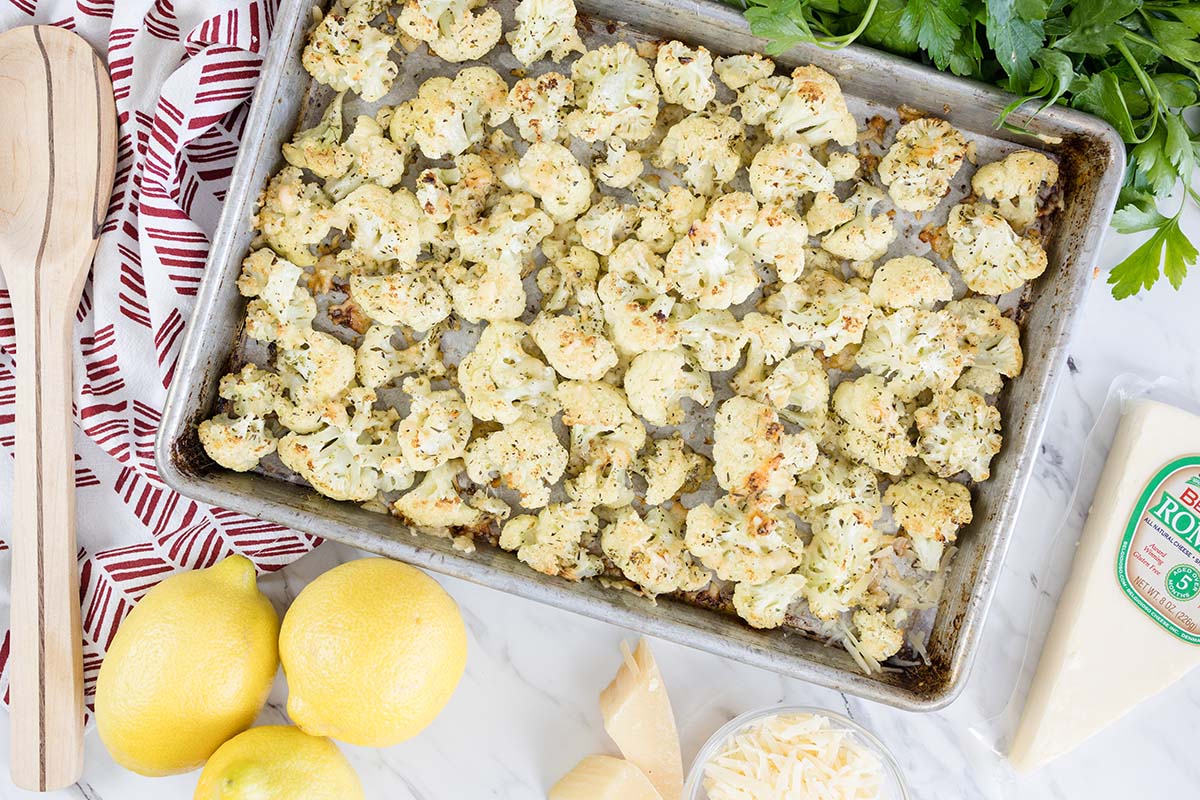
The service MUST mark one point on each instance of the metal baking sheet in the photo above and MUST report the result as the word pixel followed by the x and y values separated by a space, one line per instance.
pixel 1091 158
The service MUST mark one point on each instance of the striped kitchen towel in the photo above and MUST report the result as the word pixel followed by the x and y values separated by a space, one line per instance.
pixel 183 72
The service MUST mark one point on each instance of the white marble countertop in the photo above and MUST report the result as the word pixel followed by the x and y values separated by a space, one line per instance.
pixel 526 710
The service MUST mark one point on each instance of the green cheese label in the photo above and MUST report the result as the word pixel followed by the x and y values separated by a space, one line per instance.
pixel 1158 563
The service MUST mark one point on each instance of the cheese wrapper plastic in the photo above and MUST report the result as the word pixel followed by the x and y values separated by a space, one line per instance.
pixel 1128 622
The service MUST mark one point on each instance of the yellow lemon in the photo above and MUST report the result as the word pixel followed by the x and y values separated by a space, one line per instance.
pixel 278 762
pixel 190 667
pixel 372 651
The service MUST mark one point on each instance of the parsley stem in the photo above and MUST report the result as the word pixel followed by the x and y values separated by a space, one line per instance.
pixel 1148 89
pixel 847 38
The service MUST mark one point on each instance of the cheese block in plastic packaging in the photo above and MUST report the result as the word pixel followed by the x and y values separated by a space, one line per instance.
pixel 637 715
pixel 603 778
pixel 1128 623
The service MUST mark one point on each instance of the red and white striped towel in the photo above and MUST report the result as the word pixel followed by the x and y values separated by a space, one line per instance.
pixel 183 72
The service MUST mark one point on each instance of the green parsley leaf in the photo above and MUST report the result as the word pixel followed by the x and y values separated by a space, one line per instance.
pixel 1176 39
pixel 1033 9
pixel 781 22
pixel 1175 89
pixel 1167 252
pixel 1152 159
pixel 884 28
pixel 1101 94
pixel 1135 219
pixel 1014 38
pixel 1094 27
pixel 1189 15
pixel 937 27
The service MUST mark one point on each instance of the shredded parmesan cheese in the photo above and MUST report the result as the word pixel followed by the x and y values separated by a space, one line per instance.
pixel 793 756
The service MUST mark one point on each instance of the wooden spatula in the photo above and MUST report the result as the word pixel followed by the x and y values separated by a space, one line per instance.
pixel 58 144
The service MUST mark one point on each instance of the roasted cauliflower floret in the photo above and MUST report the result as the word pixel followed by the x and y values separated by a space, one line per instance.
pixel 769 341
pixel 821 309
pixel 319 149
pixel 765 605
pixel 656 382
pixel 620 167
pixel 605 440
pixel 838 560
pixel 713 338
pixel 835 481
pixel 783 172
pixel 510 232
pixel 314 372
pixel 544 27
pixel 240 441
pixel 281 310
pixel 574 344
pixel 615 95
pixel 502 381
pixel 827 212
pixel 843 166
pixel 525 456
pixel 959 432
pixel 566 276
pixel 874 424
pixel 708 148
pixel 878 635
pixel 798 388
pixel 930 510
pixel 293 216
pixel 740 71
pixel 992 258
pixel 554 175
pixel 777 231
pixel 383 225
pixel 753 454
pixel 346 52
pixel 651 552
pixel 236 443
pixel 374 158
pixel 992 342
pixel 605 225
pixel 758 100
pixel 555 541
pixel 252 391
pixel 813 111
pixel 909 281
pixel 539 106
pixel 743 540
pixel 342 459
pixel 436 504
pixel 451 28
pixel 664 217
pixel 684 75
pixel 915 349
pixel 491 291
pixel 378 362
pixel 1013 184
pixel 865 237
pixel 637 308
pixel 433 195
pixel 671 468
pixel 927 154
pixel 410 296
pixel 712 264
pixel 437 427
pixel 448 116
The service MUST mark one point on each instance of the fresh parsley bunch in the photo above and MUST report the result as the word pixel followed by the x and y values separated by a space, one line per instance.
pixel 1135 63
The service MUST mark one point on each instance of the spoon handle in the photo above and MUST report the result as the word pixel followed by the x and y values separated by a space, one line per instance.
pixel 46 686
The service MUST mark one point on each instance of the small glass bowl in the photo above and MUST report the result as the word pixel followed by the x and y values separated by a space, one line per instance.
pixel 893 784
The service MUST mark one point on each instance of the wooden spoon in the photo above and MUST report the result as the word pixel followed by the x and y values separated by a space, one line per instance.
pixel 58 148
